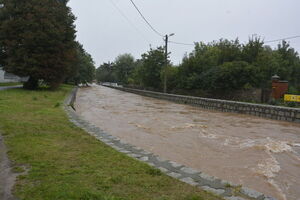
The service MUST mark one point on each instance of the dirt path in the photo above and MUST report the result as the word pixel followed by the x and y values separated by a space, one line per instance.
pixel 7 178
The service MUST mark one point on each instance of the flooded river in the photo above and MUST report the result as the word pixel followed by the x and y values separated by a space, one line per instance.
pixel 258 153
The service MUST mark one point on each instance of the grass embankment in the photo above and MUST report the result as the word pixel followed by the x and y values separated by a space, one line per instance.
pixel 67 163
pixel 10 84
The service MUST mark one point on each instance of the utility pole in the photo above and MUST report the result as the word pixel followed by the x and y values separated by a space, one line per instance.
pixel 166 60
pixel 166 63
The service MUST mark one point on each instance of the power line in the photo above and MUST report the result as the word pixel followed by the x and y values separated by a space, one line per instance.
pixel 270 41
pixel 158 33
pixel 288 38
pixel 128 20
pixel 181 43
pixel 190 44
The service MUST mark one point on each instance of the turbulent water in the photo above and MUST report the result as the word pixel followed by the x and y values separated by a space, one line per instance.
pixel 258 153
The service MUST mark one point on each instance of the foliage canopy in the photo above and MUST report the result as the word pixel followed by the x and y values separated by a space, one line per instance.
pixel 37 39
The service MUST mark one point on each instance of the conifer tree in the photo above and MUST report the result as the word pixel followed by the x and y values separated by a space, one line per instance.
pixel 37 39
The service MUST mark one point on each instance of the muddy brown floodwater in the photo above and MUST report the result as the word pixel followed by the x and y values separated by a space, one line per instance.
pixel 258 153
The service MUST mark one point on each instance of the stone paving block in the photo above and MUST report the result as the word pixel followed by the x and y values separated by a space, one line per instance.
pixel 134 155
pixel 151 164
pixel 207 177
pixel 164 170
pixel 145 152
pixel 174 175
pixel 189 180
pixel 138 149
pixel 106 141
pixel 226 183
pixel 144 159
pixel 269 198
pixel 159 159
pixel 175 164
pixel 189 170
pixel 126 152
pixel 118 148
pixel 213 190
pixel 251 193
pixel 123 143
pixel 234 198
pixel 99 137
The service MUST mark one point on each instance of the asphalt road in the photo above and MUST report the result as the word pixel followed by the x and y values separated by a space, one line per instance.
pixel 10 87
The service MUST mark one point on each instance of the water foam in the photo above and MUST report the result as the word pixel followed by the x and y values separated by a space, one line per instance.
pixel 139 126
pixel 296 145
pixel 276 186
pixel 269 145
pixel 188 126
pixel 269 167
pixel 278 146
pixel 204 134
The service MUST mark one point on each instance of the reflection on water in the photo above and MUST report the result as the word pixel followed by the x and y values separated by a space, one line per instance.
pixel 258 153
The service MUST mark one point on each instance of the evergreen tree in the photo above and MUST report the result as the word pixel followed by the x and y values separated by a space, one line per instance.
pixel 37 39
pixel 85 69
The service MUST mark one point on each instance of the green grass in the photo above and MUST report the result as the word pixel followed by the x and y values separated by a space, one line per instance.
pixel 66 163
pixel 9 84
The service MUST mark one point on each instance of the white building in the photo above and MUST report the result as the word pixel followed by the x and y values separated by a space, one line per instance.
pixel 9 78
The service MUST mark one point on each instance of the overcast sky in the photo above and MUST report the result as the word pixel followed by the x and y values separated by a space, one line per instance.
pixel 105 32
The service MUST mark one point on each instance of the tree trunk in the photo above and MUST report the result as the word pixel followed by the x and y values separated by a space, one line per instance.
pixel 31 84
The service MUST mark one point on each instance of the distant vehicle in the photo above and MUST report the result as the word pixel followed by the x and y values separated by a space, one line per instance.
pixel 111 84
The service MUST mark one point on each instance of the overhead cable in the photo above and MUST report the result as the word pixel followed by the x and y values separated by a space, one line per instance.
pixel 147 22
pixel 181 43
pixel 127 19
pixel 288 38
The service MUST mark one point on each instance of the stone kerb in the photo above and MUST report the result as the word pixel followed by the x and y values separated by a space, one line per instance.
pixel 178 171
pixel 259 110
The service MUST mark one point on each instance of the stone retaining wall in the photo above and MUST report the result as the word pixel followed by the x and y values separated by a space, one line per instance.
pixel 259 110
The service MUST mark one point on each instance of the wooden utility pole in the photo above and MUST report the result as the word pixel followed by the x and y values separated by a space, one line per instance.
pixel 166 63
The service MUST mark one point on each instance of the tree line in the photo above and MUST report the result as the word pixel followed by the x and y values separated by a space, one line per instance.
pixel 219 67
pixel 37 40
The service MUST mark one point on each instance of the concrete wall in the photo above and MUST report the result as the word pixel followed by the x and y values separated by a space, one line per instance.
pixel 259 110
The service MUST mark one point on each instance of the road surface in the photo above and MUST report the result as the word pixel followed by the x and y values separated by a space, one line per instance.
pixel 10 87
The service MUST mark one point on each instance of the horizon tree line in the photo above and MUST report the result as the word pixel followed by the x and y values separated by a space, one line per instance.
pixel 218 67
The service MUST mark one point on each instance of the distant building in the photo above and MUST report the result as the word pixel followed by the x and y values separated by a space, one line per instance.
pixel 8 77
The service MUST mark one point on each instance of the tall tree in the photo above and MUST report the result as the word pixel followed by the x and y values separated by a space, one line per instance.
pixel 153 63
pixel 124 65
pixel 84 70
pixel 37 39
pixel 106 73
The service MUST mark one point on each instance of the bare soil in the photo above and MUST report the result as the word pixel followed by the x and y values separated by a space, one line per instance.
pixel 7 177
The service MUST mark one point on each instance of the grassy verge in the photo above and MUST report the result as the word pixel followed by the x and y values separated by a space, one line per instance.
pixel 65 162
pixel 9 84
